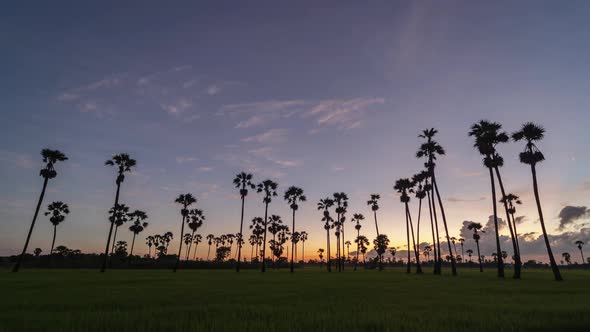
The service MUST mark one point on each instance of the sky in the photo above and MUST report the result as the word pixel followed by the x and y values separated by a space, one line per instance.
pixel 329 96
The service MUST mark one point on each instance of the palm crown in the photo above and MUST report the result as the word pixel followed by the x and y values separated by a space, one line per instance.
pixel 185 200
pixel 373 202
pixel 530 133
pixel 58 211
pixel 123 162
pixel 138 218
pixel 119 215
pixel 357 218
pixel 294 195
pixel 243 181
pixel 269 188
pixel 50 157
pixel 403 186
pixel 195 219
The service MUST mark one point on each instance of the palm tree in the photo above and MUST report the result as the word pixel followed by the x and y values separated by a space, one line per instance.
pixel 580 244
pixel 325 205
pixel 274 227
pixel 243 181
pixel 405 186
pixel 363 242
pixel 348 243
pixel 187 238
pixel 293 195
pixel 418 180
pixel 430 150
pixel 257 228
pixel 168 237
pixel 321 256
pixel 567 257
pixel 511 200
pixel 487 136
pixel 453 241
pixel 380 245
pixel 469 252
pixel 461 242
pixel 269 189
pixel 58 211
pixel 209 238
pixel 373 202
pixel 433 225
pixel 195 220
pixel 124 163
pixel 149 241
pixel 50 158
pixel 532 133
pixel 138 225
pixel 357 218
pixel 120 215
pixel 196 240
pixel 341 201
pixel 475 226
pixel 37 252
pixel 427 250
pixel 303 237
pixel 253 240
pixel 185 200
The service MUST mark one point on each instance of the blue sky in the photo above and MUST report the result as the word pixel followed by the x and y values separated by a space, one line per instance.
pixel 329 97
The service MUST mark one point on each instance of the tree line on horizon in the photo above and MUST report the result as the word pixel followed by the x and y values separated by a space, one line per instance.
pixel 423 186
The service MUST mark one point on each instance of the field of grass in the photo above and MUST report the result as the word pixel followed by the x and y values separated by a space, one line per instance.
pixel 308 300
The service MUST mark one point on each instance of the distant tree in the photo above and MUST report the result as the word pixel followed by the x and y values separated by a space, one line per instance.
pixel 243 181
pixel 427 250
pixel 293 196
pixel 58 211
pixel 303 237
pixel 139 224
pixel 321 256
pixel 348 243
pixel 532 133
pixel 357 218
pixel 210 239
pixel 363 244
pixel 380 245
pixel 325 205
pixel 475 227
pixel 462 242
pixel 50 158
pixel 341 202
pixel 567 257
pixel 580 244
pixel 197 238
pixel 149 241
pixel 403 187
pixel 373 202
pixel 120 249
pixel 469 252
pixel 120 216
pixel 194 220
pixel 37 252
pixel 185 200
pixel 269 190
pixel 257 227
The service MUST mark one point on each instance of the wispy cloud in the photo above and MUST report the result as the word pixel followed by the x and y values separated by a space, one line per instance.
pixel 276 135
pixel 185 159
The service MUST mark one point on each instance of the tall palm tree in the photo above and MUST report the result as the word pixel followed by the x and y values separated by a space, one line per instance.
pixel 196 240
pixel 475 226
pixel 511 200
pixel 243 181
pixel 120 215
pixel 185 200
pixel 430 150
pixel 380 245
pixel 357 218
pixel 269 190
pixel 325 205
pixel 418 180
pixel 373 202
pixel 580 244
pixel 274 227
pixel 195 220
pixel 50 158
pixel 462 242
pixel 123 162
pixel 303 237
pixel 433 225
pixel 531 155
pixel 138 225
pixel 341 201
pixel 257 228
pixel 487 136
pixel 293 195
pixel 149 241
pixel 210 239
pixel 58 211
pixel 405 186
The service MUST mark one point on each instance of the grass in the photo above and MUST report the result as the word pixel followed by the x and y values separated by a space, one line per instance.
pixel 308 300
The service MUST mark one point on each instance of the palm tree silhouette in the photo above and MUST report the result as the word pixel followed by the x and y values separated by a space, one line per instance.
pixel 405 186
pixel 325 205
pixel 120 215
pixel 257 228
pixel 50 158
pixel 274 227
pixel 210 239
pixel 373 202
pixel 195 220
pixel 430 150
pixel 363 242
pixel 487 136
pixel 269 189
pixel 510 200
pixel 185 200
pixel 138 225
pixel 580 244
pixel 243 181
pixel 168 237
pixel 37 252
pixel 357 218
pixel 567 257
pixel 433 225
pixel 469 252
pixel 253 240
pixel 418 180
pixel 58 211
pixel 196 240
pixel 293 195
pixel 187 238
pixel 348 243
pixel 321 256
pixel 149 241
pixel 303 237
pixel 123 162
pixel 427 250
pixel 380 245
pixel 475 226
pixel 531 155
pixel 461 242
pixel 341 201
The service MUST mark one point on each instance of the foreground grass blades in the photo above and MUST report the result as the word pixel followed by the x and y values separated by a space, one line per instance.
pixel 310 300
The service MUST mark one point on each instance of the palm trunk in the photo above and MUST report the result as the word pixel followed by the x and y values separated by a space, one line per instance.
pixel 409 264
pixel 418 225
pixel 328 263
pixel 264 243
pixel 180 246
pixel 189 246
pixel 438 269
pixel 376 227
pixel 303 251
pixel 55 231
pixel 582 253
pixel 433 233
pixel 132 245
pixel 444 217
pixel 462 253
pixel 498 249
pixel 554 267
pixel 241 234
pixel 479 257
pixel 195 252
pixel 358 247
pixel 517 262
pixel 208 252
pixel 338 251
pixel 516 234
pixel 293 243
pixel 416 253
pixel 106 251
pixel 114 240
pixel 342 240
